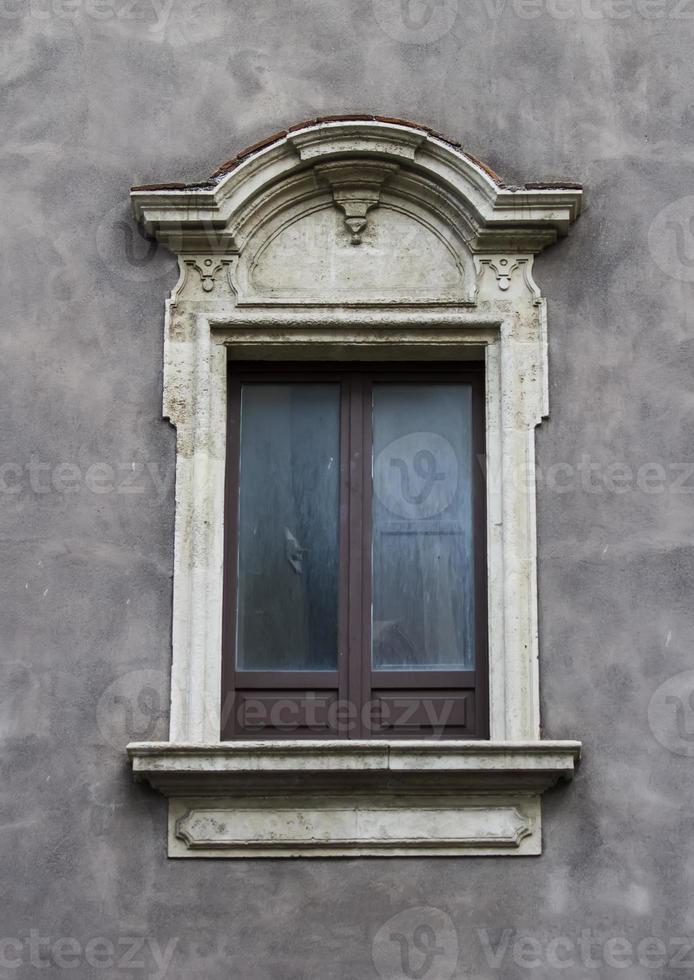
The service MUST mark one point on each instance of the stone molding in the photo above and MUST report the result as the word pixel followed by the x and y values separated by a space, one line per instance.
pixel 335 828
pixel 340 798
pixel 365 240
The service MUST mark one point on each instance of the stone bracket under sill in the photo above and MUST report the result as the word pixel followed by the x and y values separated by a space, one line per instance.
pixel 351 798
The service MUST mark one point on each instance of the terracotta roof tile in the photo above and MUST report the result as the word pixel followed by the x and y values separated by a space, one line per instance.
pixel 248 151
pixel 553 185
pixel 488 170
pixel 159 187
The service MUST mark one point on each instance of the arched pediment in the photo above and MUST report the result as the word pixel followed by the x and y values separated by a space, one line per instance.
pixel 348 232
pixel 352 211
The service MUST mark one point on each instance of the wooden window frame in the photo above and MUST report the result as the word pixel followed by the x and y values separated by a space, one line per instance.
pixel 347 703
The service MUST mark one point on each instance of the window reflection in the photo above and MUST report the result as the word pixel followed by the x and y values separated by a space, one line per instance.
pixel 288 527
pixel 422 549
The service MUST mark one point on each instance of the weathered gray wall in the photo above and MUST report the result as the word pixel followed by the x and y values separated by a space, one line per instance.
pixel 100 95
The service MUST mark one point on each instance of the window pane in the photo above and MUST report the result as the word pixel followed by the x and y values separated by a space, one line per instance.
pixel 288 527
pixel 423 570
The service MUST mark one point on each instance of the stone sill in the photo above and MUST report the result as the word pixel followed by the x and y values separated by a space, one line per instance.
pixel 173 768
pixel 350 798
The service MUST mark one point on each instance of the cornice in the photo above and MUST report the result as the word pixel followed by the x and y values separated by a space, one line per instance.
pixel 197 217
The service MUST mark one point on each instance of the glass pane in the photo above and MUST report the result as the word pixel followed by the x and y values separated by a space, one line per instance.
pixel 423 571
pixel 288 527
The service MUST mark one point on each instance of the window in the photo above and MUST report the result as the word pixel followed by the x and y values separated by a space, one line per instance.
pixel 355 339
pixel 355 593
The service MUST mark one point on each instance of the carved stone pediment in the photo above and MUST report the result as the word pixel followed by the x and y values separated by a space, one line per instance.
pixel 355 213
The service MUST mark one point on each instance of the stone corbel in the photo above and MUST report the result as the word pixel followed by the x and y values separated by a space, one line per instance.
pixel 210 273
pixel 503 271
pixel 356 187
pixel 503 268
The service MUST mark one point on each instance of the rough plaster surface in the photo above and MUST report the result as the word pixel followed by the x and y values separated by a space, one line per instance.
pixel 96 103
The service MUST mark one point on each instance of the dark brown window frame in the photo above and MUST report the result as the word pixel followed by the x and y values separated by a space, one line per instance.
pixel 333 704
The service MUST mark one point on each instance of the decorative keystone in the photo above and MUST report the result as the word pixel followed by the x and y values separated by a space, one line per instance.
pixel 356 187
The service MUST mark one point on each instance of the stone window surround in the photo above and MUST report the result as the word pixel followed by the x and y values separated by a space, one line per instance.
pixel 331 798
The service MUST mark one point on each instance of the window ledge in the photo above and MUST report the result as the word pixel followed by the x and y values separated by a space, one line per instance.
pixel 349 798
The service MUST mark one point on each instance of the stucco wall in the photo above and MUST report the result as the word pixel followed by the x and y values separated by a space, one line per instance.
pixel 106 94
